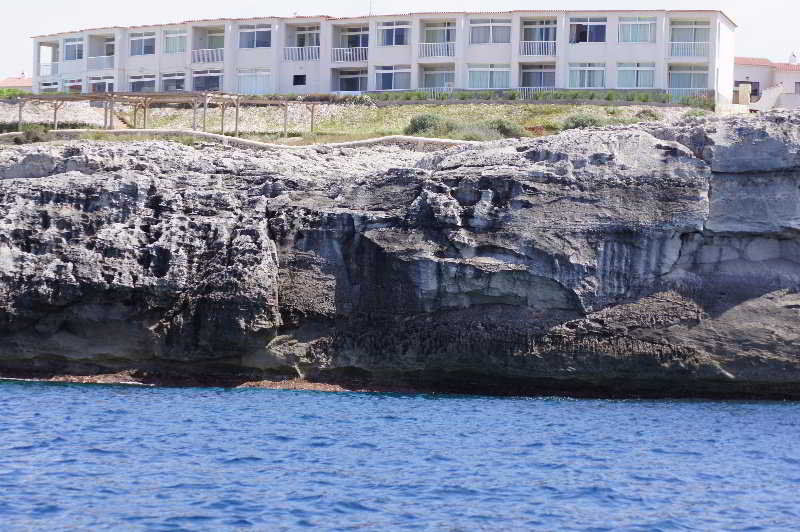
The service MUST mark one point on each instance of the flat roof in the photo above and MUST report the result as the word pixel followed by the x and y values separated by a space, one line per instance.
pixel 423 13
pixel 763 62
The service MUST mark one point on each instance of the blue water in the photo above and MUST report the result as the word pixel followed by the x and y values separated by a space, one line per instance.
pixel 120 458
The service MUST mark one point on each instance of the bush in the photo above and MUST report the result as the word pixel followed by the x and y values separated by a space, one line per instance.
pixel 422 123
pixel 505 128
pixel 11 127
pixel 32 133
pixel 648 115
pixel 582 121
pixel 695 113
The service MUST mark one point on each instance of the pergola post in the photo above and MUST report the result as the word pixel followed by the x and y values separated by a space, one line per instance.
pixel 205 113
pixel 286 120
pixel 111 114
pixel 105 114
pixel 146 108
pixel 222 110
pixel 313 108
pixel 194 114
pixel 135 116
pixel 19 119
pixel 236 127
pixel 56 107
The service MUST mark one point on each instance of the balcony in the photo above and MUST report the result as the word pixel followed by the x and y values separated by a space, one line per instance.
pixel 437 49
pixel 537 48
pixel 301 53
pixel 48 69
pixel 529 93
pixel 102 62
pixel 210 55
pixel 688 49
pixel 349 55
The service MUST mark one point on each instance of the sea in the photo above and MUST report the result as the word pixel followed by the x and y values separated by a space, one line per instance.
pixel 95 457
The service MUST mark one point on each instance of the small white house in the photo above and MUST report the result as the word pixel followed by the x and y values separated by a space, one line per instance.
pixel 763 74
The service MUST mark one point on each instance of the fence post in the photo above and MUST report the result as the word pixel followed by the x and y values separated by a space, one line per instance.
pixel 237 103
pixel 286 120
pixel 205 112
pixel 19 121
pixel 56 107
pixel 222 108
pixel 194 114
pixel 313 108
pixel 145 108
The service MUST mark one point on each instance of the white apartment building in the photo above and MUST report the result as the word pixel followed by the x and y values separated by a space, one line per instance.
pixel 685 52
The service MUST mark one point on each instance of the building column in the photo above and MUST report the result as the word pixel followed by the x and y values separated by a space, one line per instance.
pixel 230 81
pixel 516 38
pixel 562 51
pixel 121 52
pixel 462 44
pixel 37 66
pixel 326 44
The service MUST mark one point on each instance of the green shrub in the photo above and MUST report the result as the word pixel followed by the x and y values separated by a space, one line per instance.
pixel 33 133
pixel 648 115
pixel 581 121
pixel 422 123
pixel 695 113
pixel 505 128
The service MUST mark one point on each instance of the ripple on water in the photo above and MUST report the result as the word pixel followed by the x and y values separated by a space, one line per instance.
pixel 95 457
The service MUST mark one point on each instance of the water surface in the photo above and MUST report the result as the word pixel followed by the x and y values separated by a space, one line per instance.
pixel 128 458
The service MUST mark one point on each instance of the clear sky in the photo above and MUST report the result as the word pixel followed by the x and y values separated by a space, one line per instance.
pixel 767 28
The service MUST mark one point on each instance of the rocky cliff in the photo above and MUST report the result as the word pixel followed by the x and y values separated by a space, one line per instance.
pixel 643 261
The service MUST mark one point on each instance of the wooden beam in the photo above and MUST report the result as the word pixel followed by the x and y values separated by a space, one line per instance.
pixel 194 114
pixel 56 106
pixel 286 120
pixel 313 108
pixel 205 113
pixel 111 113
pixel 236 128
pixel 222 110
pixel 146 108
pixel 135 116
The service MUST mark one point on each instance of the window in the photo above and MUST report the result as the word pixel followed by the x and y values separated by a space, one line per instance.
pixel 73 86
pixel 490 31
pixel 394 33
pixel 587 75
pixel 48 87
pixel 438 77
pixel 173 82
pixel 256 81
pixel 392 78
pixel 216 39
pixel 207 80
pixel 144 83
pixel 755 86
pixel 587 29
pixel 539 76
pixel 489 76
pixel 255 36
pixel 102 84
pixel 143 43
pixel 438 32
pixel 636 75
pixel 175 41
pixel 690 30
pixel 73 49
pixel 637 29
pixel 355 37
pixel 539 30
pixel 688 77
pixel 299 80
pixel 306 36
pixel 109 47
pixel 353 80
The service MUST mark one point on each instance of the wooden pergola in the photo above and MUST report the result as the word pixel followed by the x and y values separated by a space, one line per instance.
pixel 142 101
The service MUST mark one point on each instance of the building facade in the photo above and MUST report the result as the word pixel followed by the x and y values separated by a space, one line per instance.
pixel 762 74
pixel 689 53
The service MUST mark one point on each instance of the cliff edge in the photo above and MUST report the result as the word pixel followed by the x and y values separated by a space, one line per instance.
pixel 648 261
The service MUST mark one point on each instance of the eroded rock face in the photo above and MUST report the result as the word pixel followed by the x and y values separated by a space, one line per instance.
pixel 642 260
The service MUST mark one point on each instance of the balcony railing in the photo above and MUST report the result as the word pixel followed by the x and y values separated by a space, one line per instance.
pixel 687 49
pixel 102 62
pixel 48 69
pixel 679 95
pixel 539 48
pixel 437 49
pixel 437 92
pixel 529 93
pixel 301 53
pixel 210 55
pixel 349 55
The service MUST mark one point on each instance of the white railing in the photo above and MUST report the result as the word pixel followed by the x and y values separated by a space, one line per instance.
pixel 101 62
pixel 541 48
pixel 437 49
pixel 348 55
pixel 527 93
pixel 435 92
pixel 679 95
pixel 48 69
pixel 209 55
pixel 301 53
pixel 687 49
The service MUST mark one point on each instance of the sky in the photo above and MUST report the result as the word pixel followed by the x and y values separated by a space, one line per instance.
pixel 767 28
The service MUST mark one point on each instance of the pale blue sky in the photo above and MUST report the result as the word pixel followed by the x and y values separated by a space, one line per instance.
pixel 767 28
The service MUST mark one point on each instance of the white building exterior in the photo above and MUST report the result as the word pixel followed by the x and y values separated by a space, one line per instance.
pixel 763 74
pixel 686 52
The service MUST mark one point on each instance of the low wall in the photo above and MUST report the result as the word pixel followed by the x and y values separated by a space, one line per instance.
pixel 405 142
